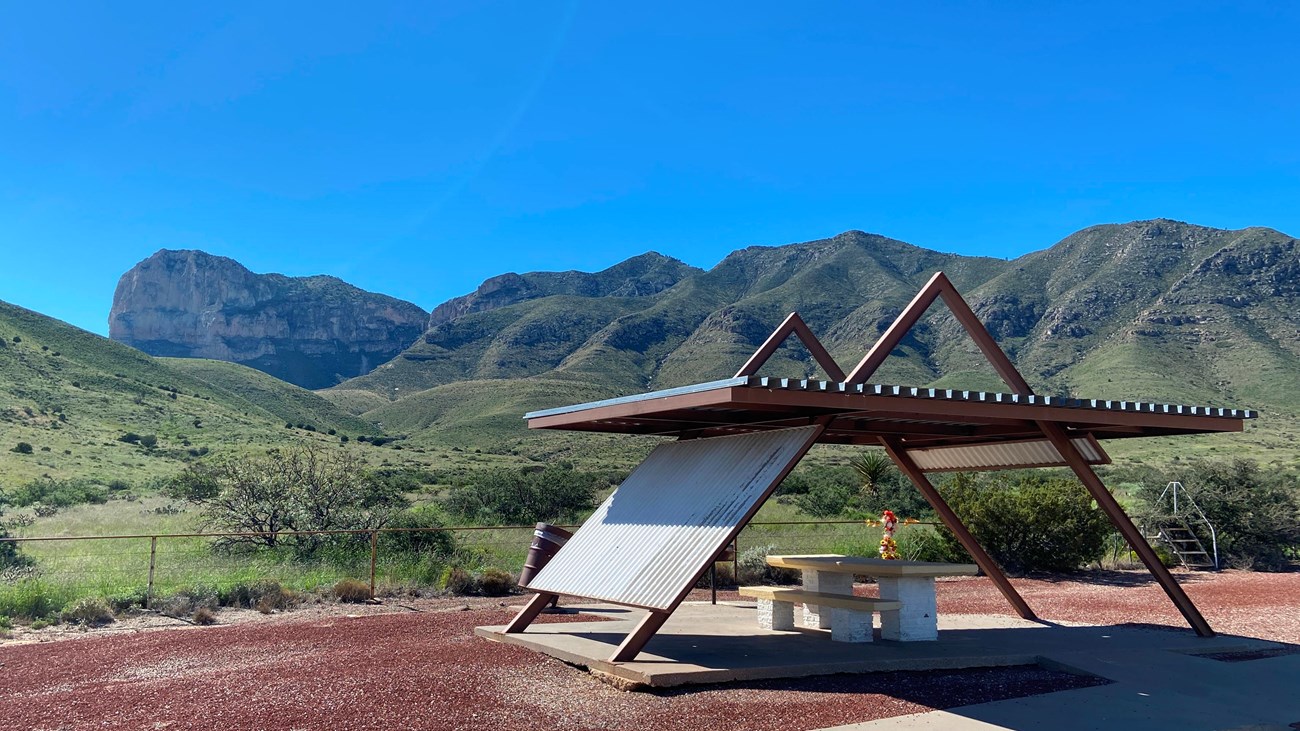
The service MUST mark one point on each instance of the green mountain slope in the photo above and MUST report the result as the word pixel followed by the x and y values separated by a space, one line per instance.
pixel 285 401
pixel 72 394
pixel 1156 310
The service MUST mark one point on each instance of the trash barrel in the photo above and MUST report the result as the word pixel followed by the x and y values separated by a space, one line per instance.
pixel 547 539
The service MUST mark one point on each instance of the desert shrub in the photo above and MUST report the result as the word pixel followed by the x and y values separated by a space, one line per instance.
pixel 203 617
pixel 264 596
pixel 413 531
pixel 495 582
pixel 1255 513
pixel 457 580
pixel 279 600
pixel 58 493
pixel 826 498
pixel 514 497
pixel 124 602
pixel 919 543
pixel 299 489
pixel 22 448
pixel 351 590
pixel 184 603
pixel 752 568
pixel 1026 522
pixel 832 492
pixel 5 622
pixel 89 612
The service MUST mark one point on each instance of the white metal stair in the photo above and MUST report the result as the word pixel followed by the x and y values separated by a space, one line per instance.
pixel 1182 541
pixel 1174 531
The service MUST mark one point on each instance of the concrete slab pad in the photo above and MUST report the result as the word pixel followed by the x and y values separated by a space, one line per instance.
pixel 702 643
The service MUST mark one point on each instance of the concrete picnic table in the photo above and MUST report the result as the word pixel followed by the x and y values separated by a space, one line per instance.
pixel 911 583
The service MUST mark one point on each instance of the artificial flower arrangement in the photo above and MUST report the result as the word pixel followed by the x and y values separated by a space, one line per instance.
pixel 888 548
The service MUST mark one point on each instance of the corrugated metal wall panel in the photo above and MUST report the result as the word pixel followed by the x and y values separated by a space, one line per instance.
pixel 1039 453
pixel 654 534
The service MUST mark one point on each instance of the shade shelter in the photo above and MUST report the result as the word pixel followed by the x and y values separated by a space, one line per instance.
pixel 648 544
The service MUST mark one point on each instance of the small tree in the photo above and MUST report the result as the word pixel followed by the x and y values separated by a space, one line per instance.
pixel 299 489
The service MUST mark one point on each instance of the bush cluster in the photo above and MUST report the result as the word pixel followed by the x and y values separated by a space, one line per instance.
pixel 58 493
pixel 353 591
pixel 490 581
pixel 1026 521
pixel 517 497
pixel 843 491
pixel 752 568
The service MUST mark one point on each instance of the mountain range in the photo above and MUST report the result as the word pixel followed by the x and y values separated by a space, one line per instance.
pixel 1152 309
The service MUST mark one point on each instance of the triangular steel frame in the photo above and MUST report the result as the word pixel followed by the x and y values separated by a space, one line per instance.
pixel 939 286
pixel 795 325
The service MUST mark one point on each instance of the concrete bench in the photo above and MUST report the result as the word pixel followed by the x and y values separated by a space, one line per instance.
pixel 850 615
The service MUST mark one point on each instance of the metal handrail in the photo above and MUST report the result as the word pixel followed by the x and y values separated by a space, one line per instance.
pixel 1214 538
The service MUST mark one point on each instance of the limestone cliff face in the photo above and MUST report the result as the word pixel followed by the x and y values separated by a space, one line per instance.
pixel 311 331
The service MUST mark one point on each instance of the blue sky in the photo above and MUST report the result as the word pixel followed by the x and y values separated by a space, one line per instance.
pixel 416 150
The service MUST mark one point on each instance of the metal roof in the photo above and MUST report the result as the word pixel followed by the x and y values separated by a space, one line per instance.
pixel 647 543
pixel 863 413
pixel 1004 455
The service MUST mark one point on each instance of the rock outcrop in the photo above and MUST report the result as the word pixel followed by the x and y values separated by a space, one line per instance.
pixel 310 331
pixel 640 276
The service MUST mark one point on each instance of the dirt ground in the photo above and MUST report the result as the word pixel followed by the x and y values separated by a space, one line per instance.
pixel 414 663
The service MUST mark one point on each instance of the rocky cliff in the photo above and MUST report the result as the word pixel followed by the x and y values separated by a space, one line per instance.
pixel 310 331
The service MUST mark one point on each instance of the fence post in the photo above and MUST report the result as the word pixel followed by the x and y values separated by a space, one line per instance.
pixel 153 553
pixel 374 555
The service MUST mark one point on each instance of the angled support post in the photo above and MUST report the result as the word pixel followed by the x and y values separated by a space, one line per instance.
pixel 1056 434
pixel 954 524
pixel 530 611
pixel 637 639
pixel 792 324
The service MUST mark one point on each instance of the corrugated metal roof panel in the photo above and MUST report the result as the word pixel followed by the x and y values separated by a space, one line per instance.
pixel 672 515
pixel 907 392
pixel 1003 455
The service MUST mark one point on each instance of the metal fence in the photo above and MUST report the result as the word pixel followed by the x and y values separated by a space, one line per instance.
pixel 390 560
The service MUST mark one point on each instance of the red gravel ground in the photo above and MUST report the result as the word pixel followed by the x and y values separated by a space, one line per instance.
pixel 426 670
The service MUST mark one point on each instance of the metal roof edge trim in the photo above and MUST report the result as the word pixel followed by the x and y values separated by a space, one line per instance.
pixel 876 389
pixel 650 396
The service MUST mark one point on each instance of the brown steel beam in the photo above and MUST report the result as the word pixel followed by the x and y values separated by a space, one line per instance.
pixel 894 334
pixel 980 334
pixel 530 611
pixel 637 638
pixel 792 324
pixel 1120 519
pixel 939 286
pixel 954 524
